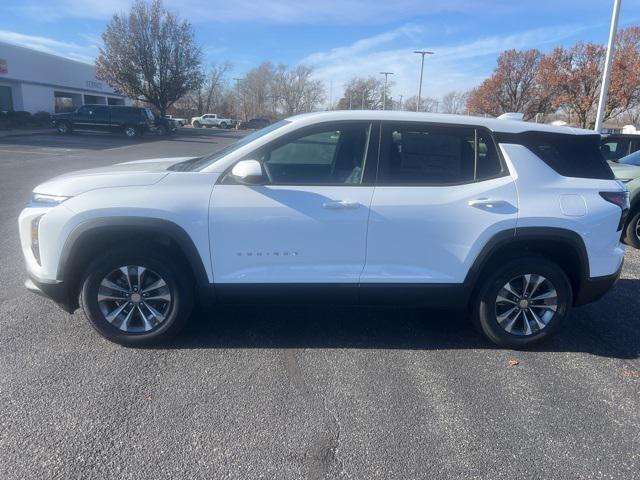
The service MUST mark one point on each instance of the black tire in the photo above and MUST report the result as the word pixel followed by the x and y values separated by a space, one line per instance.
pixel 632 230
pixel 130 131
pixel 485 304
pixel 158 263
pixel 223 125
pixel 64 128
pixel 163 131
pixel 197 124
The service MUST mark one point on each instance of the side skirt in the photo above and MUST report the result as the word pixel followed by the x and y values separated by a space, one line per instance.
pixel 427 295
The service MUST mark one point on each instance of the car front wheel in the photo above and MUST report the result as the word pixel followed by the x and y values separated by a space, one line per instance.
pixel 522 302
pixel 136 298
pixel 131 131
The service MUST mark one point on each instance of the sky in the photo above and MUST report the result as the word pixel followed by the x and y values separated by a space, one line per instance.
pixel 340 39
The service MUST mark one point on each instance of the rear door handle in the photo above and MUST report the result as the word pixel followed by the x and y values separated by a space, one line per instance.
pixel 486 203
pixel 340 205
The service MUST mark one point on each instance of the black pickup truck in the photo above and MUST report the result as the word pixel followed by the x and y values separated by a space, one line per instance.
pixel 132 121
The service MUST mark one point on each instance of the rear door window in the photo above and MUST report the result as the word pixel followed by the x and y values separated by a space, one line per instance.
pixel 424 154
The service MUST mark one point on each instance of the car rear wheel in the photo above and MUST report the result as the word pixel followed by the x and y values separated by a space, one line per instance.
pixel 223 125
pixel 162 130
pixel 522 302
pixel 63 128
pixel 137 298
pixel 197 124
pixel 632 232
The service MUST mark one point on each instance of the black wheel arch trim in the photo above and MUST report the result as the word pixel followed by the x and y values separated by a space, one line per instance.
pixel 513 236
pixel 132 224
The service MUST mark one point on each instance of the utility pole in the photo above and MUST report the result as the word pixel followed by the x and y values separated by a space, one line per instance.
pixel 400 102
pixel 384 95
pixel 331 95
pixel 602 103
pixel 363 89
pixel 238 106
pixel 422 53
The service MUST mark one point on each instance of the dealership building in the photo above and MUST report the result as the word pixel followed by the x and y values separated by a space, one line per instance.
pixel 35 81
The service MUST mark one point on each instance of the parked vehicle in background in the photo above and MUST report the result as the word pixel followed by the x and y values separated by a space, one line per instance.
pixel 164 125
pixel 180 121
pixel 618 145
pixel 627 169
pixel 132 121
pixel 213 120
pixel 255 124
pixel 516 222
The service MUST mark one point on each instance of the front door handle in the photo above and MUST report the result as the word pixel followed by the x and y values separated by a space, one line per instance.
pixel 340 205
pixel 486 203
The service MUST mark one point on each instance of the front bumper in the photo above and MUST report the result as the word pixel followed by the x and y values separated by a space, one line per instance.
pixel 58 292
pixel 594 288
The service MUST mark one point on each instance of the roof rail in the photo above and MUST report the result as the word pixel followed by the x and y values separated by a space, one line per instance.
pixel 512 116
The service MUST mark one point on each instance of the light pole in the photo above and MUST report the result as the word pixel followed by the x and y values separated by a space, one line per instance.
pixel 422 53
pixel 384 95
pixel 238 95
pixel 602 103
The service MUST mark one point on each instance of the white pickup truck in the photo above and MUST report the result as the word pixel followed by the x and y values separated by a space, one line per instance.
pixel 213 120
pixel 180 121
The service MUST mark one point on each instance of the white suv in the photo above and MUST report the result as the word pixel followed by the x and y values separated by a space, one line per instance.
pixel 515 221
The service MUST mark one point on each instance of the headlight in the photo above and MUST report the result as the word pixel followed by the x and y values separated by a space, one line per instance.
pixel 42 199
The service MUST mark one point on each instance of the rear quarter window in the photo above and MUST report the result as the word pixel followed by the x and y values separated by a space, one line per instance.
pixel 569 155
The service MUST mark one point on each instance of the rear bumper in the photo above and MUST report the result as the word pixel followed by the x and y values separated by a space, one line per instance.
pixel 58 292
pixel 594 288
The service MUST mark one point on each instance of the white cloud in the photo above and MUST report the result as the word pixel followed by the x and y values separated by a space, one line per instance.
pixel 83 53
pixel 453 67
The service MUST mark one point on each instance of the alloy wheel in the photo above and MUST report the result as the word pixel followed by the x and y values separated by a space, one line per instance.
pixel 526 304
pixel 134 299
pixel 130 132
pixel 637 229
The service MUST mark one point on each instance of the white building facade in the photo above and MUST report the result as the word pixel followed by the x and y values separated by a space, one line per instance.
pixel 35 81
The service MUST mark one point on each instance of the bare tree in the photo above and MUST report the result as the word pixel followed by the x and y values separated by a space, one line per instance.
pixel 150 55
pixel 454 102
pixel 257 91
pixel 296 91
pixel 364 94
pixel 427 104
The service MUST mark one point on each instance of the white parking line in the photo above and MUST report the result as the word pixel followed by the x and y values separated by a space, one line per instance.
pixel 57 152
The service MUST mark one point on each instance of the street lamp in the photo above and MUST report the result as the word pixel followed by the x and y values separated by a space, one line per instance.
pixel 602 103
pixel 422 53
pixel 238 94
pixel 384 95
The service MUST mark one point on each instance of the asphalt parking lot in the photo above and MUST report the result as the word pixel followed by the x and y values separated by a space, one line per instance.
pixel 305 392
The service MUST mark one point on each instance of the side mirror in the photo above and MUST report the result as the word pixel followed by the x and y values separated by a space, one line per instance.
pixel 248 172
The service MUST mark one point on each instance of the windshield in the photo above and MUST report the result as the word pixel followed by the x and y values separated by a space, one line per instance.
pixel 633 159
pixel 202 162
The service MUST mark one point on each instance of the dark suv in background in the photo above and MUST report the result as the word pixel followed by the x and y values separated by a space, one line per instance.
pixel 618 145
pixel 132 121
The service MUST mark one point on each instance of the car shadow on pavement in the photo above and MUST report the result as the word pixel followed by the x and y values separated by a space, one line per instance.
pixel 609 328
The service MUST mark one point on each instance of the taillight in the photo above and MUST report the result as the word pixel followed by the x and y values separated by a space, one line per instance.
pixel 621 199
